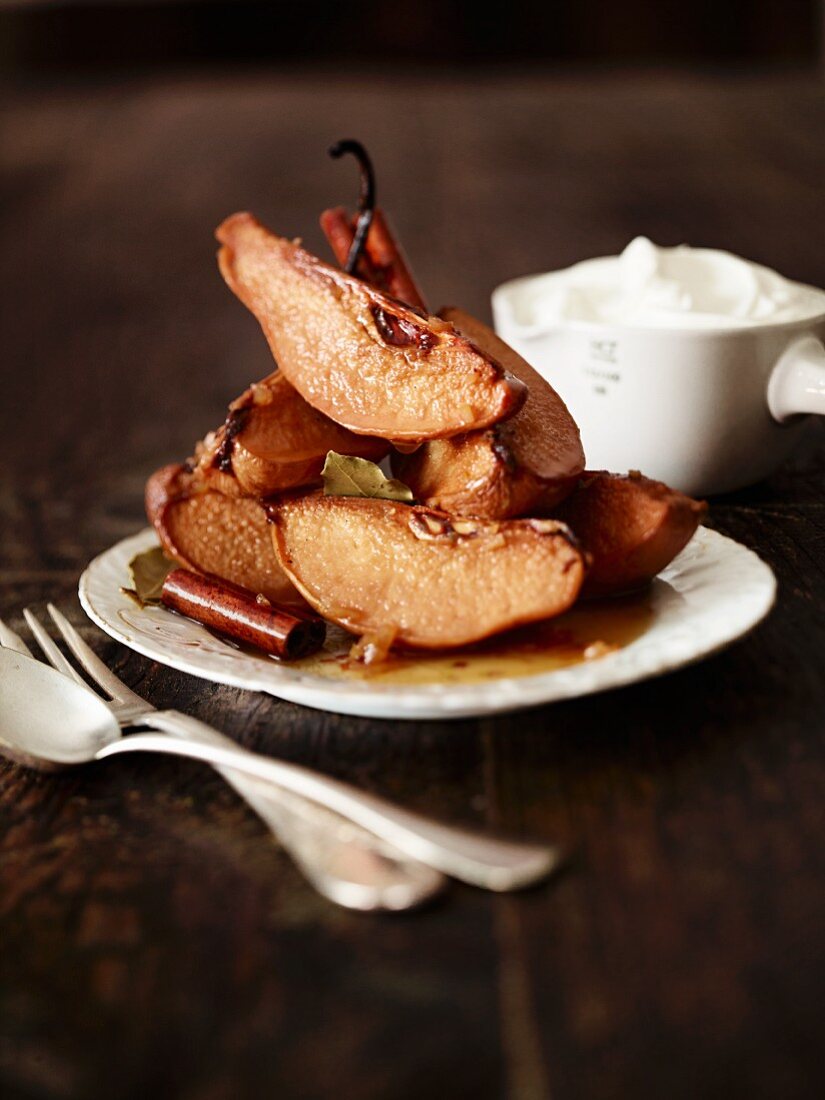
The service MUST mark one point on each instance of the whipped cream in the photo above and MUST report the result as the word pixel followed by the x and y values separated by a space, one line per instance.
pixel 647 286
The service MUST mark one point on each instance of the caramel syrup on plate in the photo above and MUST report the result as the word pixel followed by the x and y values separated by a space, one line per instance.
pixel 588 631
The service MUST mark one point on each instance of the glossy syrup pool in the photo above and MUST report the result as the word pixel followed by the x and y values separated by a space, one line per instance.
pixel 587 632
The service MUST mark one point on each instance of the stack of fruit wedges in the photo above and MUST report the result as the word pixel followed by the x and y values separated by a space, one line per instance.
pixel 490 520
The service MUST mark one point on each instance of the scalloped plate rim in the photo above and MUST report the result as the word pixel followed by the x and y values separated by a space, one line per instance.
pixel 685 639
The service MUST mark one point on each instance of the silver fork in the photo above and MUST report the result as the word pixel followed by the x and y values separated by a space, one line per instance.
pixel 345 863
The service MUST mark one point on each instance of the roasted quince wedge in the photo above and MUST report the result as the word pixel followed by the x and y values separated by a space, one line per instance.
pixel 521 466
pixel 632 527
pixel 210 532
pixel 273 440
pixel 364 359
pixel 412 576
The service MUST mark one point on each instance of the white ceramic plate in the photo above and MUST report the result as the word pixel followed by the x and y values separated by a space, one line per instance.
pixel 712 594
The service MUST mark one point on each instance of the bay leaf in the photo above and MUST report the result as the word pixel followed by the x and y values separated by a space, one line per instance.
pixel 149 570
pixel 348 476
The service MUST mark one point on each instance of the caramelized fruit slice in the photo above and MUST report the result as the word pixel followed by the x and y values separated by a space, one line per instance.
pixel 414 576
pixel 631 526
pixel 364 359
pixel 273 440
pixel 212 533
pixel 524 465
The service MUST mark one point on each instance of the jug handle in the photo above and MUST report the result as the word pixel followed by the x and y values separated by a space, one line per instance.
pixel 797 382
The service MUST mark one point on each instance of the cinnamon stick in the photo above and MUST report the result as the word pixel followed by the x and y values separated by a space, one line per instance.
pixel 383 264
pixel 339 229
pixel 242 615
pixel 386 257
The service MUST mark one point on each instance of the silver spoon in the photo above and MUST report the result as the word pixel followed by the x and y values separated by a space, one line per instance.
pixel 47 720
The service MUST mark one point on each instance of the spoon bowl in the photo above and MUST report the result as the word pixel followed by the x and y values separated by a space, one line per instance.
pixel 46 720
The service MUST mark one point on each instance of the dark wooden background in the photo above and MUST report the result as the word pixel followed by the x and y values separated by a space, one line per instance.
pixel 70 35
pixel 153 940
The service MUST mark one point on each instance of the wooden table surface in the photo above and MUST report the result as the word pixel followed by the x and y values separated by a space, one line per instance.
pixel 153 940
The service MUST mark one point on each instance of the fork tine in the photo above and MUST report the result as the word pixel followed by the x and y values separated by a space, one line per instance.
pixel 50 650
pixel 10 640
pixel 91 663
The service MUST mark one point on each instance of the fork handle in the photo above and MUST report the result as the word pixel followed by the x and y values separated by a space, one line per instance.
pixel 474 858
pixel 344 862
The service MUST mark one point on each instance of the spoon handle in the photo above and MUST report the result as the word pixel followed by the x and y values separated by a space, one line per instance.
pixel 474 858
pixel 344 862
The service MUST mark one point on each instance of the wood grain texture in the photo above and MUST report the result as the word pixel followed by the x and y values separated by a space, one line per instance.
pixel 153 940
